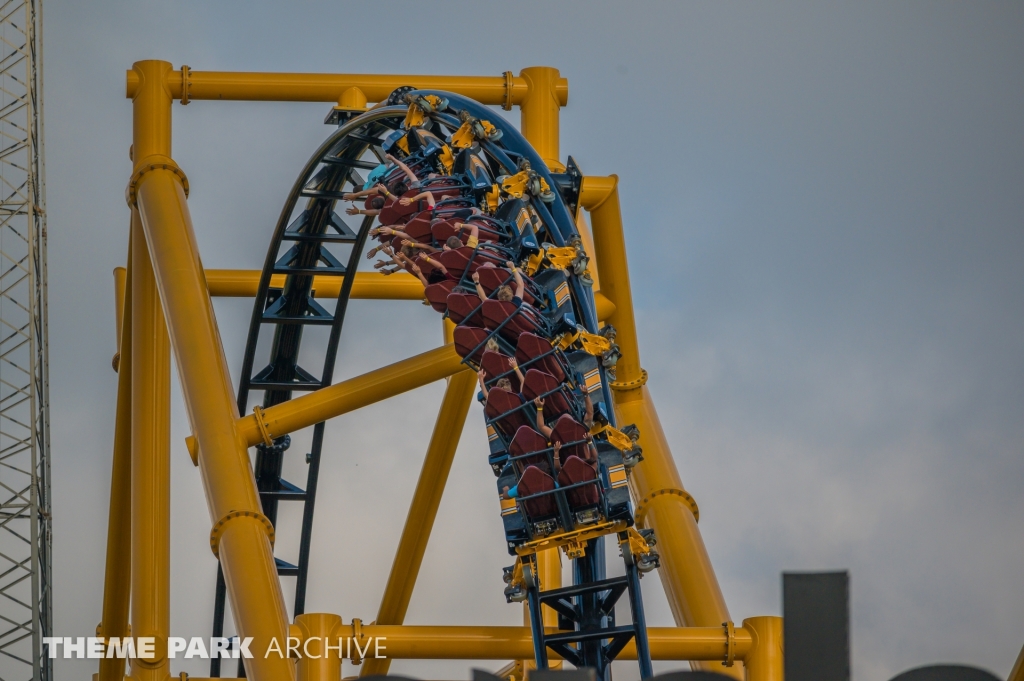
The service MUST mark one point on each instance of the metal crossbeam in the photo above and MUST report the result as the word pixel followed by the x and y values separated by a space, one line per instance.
pixel 25 586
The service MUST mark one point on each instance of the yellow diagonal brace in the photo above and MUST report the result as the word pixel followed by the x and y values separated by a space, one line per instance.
pixel 367 285
pixel 352 394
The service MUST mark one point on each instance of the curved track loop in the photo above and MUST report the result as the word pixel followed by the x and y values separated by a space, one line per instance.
pixel 309 240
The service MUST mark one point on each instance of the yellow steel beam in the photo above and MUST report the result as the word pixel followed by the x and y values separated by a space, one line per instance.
pixel 241 535
pixel 506 90
pixel 350 395
pixel 425 501
pixel 502 643
pixel 150 464
pixel 367 285
pixel 662 504
pixel 117 576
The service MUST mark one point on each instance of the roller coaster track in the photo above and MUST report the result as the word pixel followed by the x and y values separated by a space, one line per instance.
pixel 312 240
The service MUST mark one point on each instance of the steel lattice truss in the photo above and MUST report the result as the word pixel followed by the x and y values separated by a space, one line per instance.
pixel 25 588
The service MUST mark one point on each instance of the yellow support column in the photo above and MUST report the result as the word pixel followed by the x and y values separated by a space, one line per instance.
pixel 320 648
pixel 150 465
pixel 545 94
pixel 118 574
pixel 423 510
pixel 662 504
pixel 765 661
pixel 241 535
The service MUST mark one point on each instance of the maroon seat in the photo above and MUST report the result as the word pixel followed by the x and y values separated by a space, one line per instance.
pixel 458 261
pixel 468 337
pixel 488 228
pixel 418 228
pixel 495 364
pixel 535 481
pixel 536 384
pixel 427 267
pixel 576 470
pixel 526 441
pixel 437 295
pixel 493 277
pixel 531 346
pixel 502 401
pixel 442 191
pixel 566 430
pixel 461 306
pixel 442 230
pixel 393 212
pixel 523 319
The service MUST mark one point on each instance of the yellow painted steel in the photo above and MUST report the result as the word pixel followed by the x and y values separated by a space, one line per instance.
pixel 150 521
pixel 502 643
pixel 242 535
pixel 587 237
pixel 505 90
pixel 352 394
pixel 663 505
pixel 425 501
pixel 764 661
pixel 118 572
pixel 539 109
pixel 320 659
pixel 367 285
pixel 1017 673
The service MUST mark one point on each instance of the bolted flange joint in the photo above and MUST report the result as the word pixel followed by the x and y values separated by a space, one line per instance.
pixel 148 165
pixel 221 525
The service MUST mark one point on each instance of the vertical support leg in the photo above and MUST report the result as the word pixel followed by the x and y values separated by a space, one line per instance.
pixel 765 661
pixel 539 111
pixel 117 578
pixel 423 510
pixel 150 464
pixel 540 650
pixel 636 604
pixel 319 662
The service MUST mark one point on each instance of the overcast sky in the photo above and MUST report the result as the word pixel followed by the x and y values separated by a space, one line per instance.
pixel 823 205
